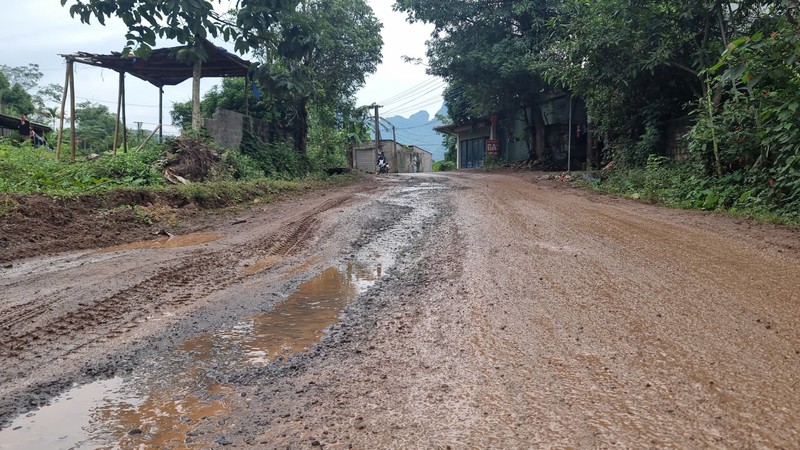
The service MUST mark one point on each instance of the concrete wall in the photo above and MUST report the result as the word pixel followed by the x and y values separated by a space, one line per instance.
pixel 401 158
pixel 227 128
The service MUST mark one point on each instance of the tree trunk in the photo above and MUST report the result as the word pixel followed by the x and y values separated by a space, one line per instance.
pixel 197 116
pixel 301 127
pixel 539 130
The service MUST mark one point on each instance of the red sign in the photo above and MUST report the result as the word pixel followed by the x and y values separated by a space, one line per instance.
pixel 492 147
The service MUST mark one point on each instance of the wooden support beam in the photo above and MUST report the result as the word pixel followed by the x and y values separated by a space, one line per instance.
pixel 157 130
pixel 197 116
pixel 161 114
pixel 71 69
pixel 124 120
pixel 119 108
pixel 63 105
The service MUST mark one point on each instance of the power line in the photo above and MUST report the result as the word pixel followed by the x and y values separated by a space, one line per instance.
pixel 114 103
pixel 434 121
pixel 431 101
pixel 415 98
pixel 408 91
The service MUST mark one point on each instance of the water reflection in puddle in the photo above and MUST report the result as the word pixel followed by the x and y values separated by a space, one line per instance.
pixel 114 414
pixel 162 408
pixel 166 242
pixel 294 324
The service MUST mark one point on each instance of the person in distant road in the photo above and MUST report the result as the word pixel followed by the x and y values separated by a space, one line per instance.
pixel 382 164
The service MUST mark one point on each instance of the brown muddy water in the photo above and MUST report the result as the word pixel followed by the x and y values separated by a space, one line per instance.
pixel 157 407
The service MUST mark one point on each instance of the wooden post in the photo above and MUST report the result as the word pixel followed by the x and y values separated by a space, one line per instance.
pixel 71 69
pixel 63 105
pixel 157 130
pixel 160 114
pixel 124 120
pixel 197 117
pixel 119 108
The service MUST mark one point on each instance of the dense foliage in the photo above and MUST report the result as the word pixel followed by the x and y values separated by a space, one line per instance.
pixel 731 69
pixel 184 21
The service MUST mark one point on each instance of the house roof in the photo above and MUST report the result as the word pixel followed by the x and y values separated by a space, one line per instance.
pixel 164 68
pixel 456 128
pixel 12 123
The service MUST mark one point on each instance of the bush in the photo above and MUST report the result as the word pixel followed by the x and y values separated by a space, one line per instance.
pixel 682 184
pixel 444 166
pixel 276 160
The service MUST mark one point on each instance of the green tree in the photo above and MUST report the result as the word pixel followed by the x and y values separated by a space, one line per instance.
pixel 637 66
pixel 755 130
pixel 319 56
pixel 184 21
pixel 26 96
pixel 95 127
pixel 494 55
pixel 14 99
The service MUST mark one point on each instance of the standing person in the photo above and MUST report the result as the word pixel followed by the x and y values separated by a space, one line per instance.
pixel 24 127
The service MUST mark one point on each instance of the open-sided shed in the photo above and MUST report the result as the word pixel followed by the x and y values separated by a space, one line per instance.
pixel 163 67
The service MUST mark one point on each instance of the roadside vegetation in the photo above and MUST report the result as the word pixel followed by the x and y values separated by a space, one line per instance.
pixel 311 59
pixel 722 75
pixel 212 177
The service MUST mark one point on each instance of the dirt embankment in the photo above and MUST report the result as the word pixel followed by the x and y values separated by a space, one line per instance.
pixel 482 310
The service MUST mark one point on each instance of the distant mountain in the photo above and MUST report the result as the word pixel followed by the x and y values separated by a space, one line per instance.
pixel 416 130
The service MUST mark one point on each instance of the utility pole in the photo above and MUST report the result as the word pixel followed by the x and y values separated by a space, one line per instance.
pixel 377 130
pixel 377 124
pixel 394 148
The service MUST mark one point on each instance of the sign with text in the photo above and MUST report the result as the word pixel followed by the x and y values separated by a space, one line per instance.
pixel 492 147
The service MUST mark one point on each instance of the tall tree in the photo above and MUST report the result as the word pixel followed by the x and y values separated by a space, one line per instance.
pixel 95 126
pixel 493 54
pixel 13 97
pixel 320 56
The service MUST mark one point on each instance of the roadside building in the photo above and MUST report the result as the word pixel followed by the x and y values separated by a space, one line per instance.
pixel 402 158
pixel 554 133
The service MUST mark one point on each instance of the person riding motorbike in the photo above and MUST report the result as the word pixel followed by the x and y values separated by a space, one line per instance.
pixel 382 164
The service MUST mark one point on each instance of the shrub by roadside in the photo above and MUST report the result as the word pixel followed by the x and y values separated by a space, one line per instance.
pixel 679 184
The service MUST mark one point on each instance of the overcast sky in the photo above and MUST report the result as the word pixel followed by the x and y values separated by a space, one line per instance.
pixel 39 31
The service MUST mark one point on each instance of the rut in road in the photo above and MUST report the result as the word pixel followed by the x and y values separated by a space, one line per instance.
pixel 33 336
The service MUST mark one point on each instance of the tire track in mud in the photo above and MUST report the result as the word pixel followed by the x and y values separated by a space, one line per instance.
pixel 95 322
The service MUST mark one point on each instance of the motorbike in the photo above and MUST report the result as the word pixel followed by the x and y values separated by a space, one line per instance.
pixel 383 166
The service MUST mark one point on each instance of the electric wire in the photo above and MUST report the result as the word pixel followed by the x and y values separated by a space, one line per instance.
pixel 408 91
pixel 415 99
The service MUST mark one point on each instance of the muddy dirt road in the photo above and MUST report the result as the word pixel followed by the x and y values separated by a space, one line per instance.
pixel 466 310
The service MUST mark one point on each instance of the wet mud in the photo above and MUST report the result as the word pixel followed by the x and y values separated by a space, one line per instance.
pixel 467 310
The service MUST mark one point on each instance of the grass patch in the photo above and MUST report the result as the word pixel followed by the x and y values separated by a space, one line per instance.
pixel 679 185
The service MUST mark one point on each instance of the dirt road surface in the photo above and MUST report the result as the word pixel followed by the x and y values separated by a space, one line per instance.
pixel 463 310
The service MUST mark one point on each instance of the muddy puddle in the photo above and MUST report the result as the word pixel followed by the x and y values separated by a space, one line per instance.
pixel 167 402
pixel 179 399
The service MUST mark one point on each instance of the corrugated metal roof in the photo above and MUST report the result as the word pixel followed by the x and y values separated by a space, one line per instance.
pixel 164 67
